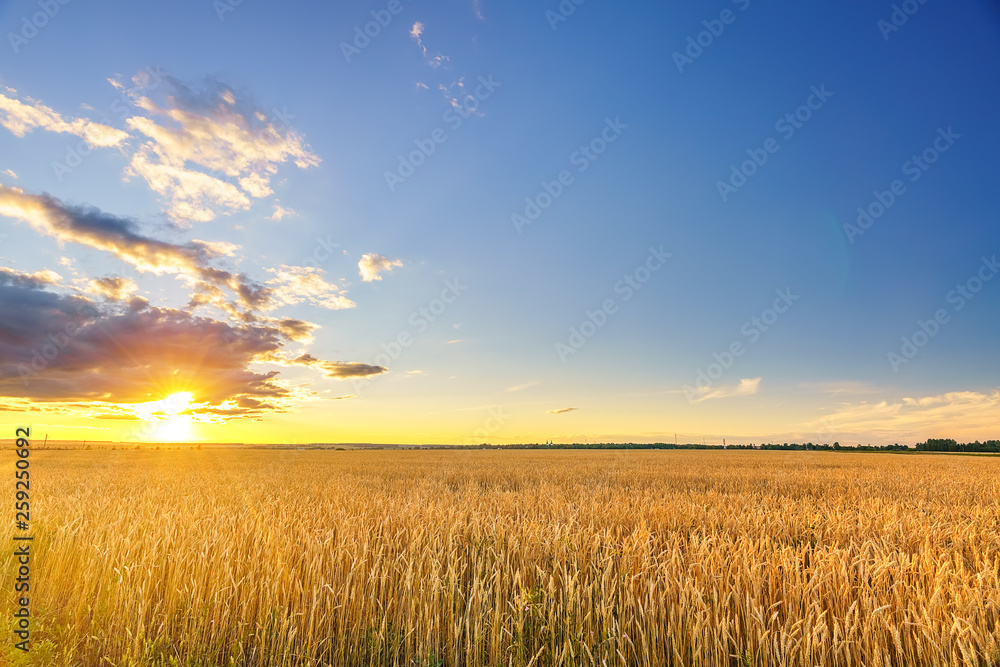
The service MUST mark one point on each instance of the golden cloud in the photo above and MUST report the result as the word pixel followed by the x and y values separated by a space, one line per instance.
pixel 21 118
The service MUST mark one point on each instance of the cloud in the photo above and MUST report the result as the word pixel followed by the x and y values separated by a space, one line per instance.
pixel 191 195
pixel 561 411
pixel 38 278
pixel 457 340
pixel 477 9
pixel 371 264
pixel 68 352
pixel 21 118
pixel 121 236
pixel 194 135
pixel 114 288
pixel 280 213
pixel 297 284
pixel 436 60
pixel 70 348
pixel 461 98
pixel 746 387
pixel 841 387
pixel 9 173
pixel 206 152
pixel 339 370
pixel 415 32
pixel 526 385
pixel 959 414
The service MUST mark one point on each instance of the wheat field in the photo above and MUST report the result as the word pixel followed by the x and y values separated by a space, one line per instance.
pixel 426 558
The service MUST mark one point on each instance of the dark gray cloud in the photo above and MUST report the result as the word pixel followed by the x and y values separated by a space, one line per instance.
pixel 66 348
pixel 340 369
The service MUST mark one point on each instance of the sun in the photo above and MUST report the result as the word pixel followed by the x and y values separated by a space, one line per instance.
pixel 176 403
pixel 170 418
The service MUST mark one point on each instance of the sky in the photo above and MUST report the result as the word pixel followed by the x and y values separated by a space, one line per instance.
pixel 469 221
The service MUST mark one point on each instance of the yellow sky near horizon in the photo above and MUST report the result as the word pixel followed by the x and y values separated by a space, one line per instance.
pixel 654 418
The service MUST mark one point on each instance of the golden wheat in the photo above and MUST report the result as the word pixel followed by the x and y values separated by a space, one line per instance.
pixel 426 558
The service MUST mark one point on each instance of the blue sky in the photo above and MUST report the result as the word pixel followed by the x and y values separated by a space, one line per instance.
pixel 821 372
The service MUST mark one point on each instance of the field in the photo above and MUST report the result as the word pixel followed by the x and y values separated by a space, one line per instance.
pixel 428 558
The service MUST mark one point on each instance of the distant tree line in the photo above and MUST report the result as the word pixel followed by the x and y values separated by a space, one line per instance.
pixel 836 447
pixel 951 445
pixel 931 445
pixel 809 446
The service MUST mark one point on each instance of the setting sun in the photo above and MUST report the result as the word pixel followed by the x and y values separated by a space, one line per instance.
pixel 171 418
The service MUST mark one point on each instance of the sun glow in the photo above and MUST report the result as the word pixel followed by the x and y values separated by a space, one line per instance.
pixel 171 417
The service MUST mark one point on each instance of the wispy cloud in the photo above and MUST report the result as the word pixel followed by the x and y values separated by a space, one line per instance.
pixel 956 414
pixel 459 97
pixel 415 32
pixel 835 388
pixel 371 265
pixel 526 385
pixel 746 387
pixel 436 60
pixel 561 411
pixel 23 117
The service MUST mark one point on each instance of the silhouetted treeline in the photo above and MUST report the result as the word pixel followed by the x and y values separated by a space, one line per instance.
pixel 951 445
pixel 809 446
pixel 836 447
